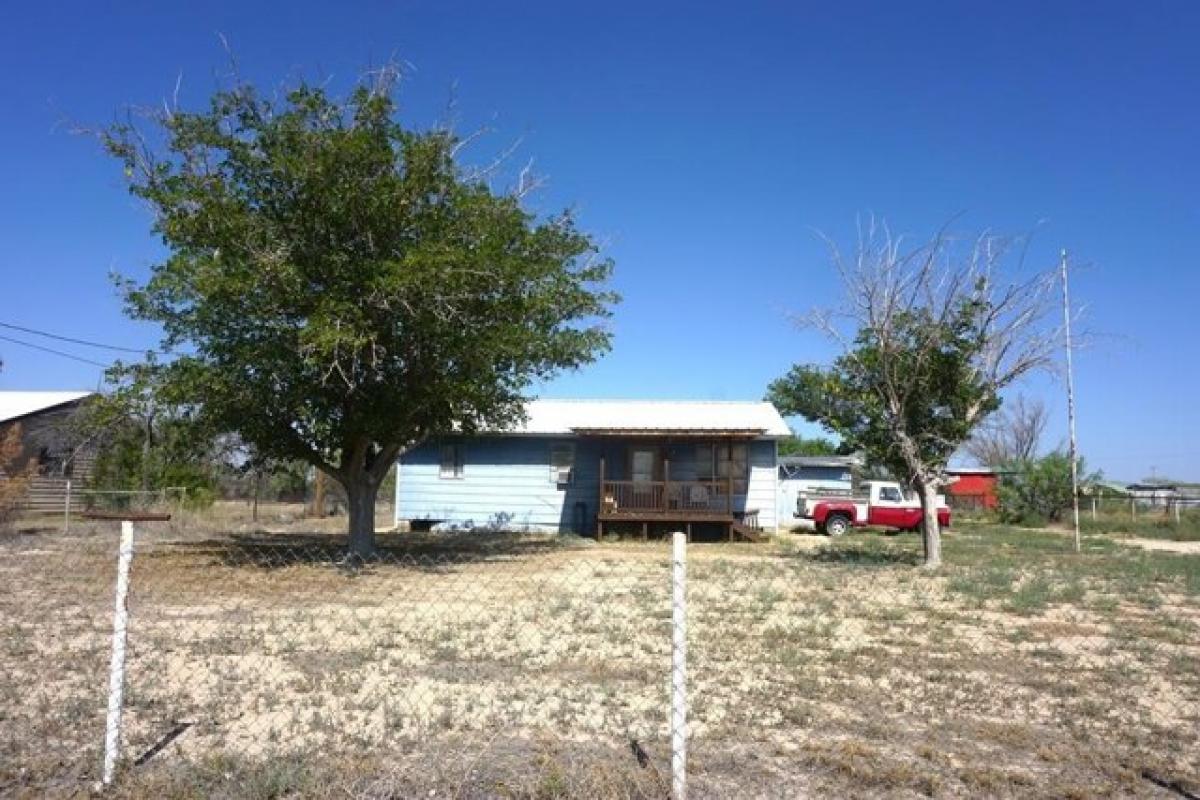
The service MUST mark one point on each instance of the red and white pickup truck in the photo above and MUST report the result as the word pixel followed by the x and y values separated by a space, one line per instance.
pixel 884 504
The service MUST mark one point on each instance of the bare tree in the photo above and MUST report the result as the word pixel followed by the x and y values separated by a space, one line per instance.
pixel 1012 434
pixel 930 335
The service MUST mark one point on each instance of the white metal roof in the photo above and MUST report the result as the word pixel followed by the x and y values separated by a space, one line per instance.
pixel 550 417
pixel 18 404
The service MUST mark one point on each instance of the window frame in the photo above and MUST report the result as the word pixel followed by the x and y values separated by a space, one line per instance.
pixel 457 461
pixel 569 448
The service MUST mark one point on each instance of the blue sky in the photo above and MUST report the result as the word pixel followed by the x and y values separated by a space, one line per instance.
pixel 705 145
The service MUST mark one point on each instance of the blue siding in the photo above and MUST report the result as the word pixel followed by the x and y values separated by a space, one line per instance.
pixel 506 483
pixel 764 478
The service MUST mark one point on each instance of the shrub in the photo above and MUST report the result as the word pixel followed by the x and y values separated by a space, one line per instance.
pixel 14 476
pixel 1037 491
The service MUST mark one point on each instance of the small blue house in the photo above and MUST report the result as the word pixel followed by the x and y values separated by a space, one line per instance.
pixel 587 466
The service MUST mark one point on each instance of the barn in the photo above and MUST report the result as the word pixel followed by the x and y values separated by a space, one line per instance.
pixel 48 449
pixel 973 488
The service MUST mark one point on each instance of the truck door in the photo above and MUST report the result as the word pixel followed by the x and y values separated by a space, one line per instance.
pixel 888 509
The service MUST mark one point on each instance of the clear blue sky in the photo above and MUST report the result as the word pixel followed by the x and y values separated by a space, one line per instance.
pixel 705 144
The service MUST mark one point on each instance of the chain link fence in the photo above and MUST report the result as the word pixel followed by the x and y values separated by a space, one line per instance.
pixel 521 666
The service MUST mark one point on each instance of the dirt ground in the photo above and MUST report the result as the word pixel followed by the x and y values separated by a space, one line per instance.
pixel 1166 545
pixel 526 666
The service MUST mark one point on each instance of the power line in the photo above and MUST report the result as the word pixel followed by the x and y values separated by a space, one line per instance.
pixel 69 339
pixel 54 352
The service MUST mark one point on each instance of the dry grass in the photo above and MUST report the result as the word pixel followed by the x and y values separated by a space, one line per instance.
pixel 521 666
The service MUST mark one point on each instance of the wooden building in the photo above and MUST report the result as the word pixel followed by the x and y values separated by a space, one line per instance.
pixel 47 446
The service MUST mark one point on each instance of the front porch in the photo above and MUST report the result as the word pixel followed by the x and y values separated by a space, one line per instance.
pixel 711 488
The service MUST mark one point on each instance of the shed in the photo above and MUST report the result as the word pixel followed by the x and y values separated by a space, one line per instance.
pixel 813 475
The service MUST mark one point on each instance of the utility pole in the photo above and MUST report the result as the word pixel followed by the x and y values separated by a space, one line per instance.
pixel 1074 449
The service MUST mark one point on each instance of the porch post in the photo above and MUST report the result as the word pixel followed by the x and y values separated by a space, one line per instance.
pixel 600 500
pixel 666 501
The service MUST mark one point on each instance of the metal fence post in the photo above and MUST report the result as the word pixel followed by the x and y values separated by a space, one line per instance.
pixel 116 670
pixel 679 666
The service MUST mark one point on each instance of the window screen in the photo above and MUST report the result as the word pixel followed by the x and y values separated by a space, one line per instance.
pixel 721 461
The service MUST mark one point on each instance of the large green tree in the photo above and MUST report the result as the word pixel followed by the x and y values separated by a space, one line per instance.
pixel 930 335
pixel 339 287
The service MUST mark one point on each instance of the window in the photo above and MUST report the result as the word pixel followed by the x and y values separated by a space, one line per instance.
pixel 52 463
pixel 452 461
pixel 642 463
pixel 889 494
pixel 562 462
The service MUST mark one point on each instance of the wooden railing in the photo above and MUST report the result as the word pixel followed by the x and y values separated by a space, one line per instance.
pixel 708 497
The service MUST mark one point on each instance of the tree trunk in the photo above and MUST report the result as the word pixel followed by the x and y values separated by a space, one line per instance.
pixel 931 533
pixel 360 495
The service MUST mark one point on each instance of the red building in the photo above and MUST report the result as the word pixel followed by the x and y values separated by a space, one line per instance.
pixel 972 488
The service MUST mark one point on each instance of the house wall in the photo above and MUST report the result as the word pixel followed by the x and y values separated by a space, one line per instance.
pixel 506 483
pixel 764 478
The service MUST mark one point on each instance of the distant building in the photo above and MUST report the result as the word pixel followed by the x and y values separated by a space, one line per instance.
pixel 973 488
pixel 47 445
pixel 1155 495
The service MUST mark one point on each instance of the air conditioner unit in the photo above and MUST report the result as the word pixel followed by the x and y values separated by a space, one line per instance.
pixel 562 475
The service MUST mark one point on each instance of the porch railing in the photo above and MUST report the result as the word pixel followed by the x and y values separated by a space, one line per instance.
pixel 707 497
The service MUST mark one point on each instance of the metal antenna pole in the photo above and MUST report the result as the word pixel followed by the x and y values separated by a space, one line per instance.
pixel 1074 450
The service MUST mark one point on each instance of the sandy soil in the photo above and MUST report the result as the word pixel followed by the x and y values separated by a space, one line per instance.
pixel 1163 545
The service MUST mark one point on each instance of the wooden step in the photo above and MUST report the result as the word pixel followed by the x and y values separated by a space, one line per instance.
pixel 748 533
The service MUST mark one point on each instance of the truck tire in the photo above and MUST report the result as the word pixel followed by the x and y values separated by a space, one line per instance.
pixel 837 524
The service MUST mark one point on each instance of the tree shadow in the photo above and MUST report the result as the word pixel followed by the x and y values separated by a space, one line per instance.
pixel 863 554
pixel 419 551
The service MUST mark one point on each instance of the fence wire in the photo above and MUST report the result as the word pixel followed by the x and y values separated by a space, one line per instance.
pixel 521 666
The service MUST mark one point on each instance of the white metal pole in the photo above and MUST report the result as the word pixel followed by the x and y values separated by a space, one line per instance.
pixel 679 666
pixel 1094 508
pixel 67 509
pixel 1074 450
pixel 116 669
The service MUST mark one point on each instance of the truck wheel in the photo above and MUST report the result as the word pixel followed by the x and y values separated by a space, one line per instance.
pixel 837 524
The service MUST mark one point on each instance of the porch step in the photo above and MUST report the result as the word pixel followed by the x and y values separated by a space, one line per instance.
pixel 748 533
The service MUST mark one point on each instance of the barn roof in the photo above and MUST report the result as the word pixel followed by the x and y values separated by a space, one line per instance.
pixel 652 417
pixel 14 405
